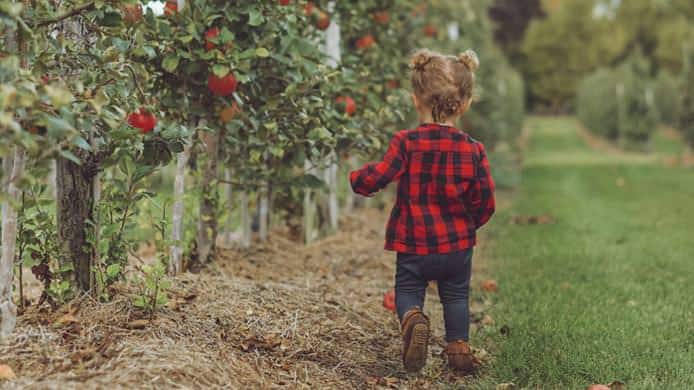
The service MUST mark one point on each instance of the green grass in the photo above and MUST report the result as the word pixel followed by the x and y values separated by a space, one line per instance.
pixel 607 292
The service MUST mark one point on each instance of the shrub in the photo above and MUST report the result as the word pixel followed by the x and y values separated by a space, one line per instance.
pixel 597 103
pixel 620 104
pixel 668 98
pixel 636 100
pixel 687 115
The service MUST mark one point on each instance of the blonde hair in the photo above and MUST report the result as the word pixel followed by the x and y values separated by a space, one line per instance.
pixel 444 83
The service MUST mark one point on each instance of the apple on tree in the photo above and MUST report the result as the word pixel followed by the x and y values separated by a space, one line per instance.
pixel 381 17
pixel 222 86
pixel 171 7
pixel 229 112
pixel 323 21
pixel 431 31
pixel 365 42
pixel 132 13
pixel 347 104
pixel 309 8
pixel 143 120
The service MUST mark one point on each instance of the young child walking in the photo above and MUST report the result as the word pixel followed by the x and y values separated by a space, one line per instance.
pixel 445 193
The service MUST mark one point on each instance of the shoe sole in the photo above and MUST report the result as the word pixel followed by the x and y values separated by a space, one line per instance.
pixel 417 351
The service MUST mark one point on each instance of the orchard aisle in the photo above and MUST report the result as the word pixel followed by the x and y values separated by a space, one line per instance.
pixel 276 315
pixel 594 270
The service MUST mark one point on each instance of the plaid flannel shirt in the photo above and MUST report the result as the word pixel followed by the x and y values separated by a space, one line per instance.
pixel 445 189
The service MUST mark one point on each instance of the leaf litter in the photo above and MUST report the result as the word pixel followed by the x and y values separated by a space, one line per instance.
pixel 279 315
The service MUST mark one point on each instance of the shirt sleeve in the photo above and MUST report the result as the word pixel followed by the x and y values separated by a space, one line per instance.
pixel 375 176
pixel 483 201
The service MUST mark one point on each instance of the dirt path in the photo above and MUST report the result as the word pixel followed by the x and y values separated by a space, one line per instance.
pixel 279 315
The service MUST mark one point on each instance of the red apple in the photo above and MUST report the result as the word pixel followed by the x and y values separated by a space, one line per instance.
pixel 389 300
pixel 349 106
pixel 142 120
pixel 431 31
pixel 489 285
pixel 323 21
pixel 598 387
pixel 132 13
pixel 222 86
pixel 365 42
pixel 392 84
pixel 229 112
pixel 309 8
pixel 381 17
pixel 285 2
pixel 171 7
pixel 209 36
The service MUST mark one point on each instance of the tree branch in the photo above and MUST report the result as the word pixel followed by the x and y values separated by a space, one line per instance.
pixel 65 15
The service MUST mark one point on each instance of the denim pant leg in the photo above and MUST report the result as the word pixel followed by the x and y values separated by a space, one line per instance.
pixel 410 287
pixel 454 291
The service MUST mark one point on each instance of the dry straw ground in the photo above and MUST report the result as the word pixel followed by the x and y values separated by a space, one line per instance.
pixel 277 316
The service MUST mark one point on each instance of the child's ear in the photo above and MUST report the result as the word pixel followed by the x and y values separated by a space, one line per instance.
pixel 466 106
pixel 415 101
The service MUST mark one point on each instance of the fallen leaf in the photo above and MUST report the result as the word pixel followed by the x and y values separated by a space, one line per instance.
pixel 67 319
pixel 260 343
pixel 489 285
pixel 6 373
pixel 371 380
pixel 506 386
pixel 138 324
pixel 83 355
pixel 597 386
pixel 543 219
pixel 487 320
pixel 617 385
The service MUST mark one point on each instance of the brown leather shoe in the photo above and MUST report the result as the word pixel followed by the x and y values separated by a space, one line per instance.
pixel 415 336
pixel 460 356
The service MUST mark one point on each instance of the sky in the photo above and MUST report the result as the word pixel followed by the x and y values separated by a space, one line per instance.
pixel 156 6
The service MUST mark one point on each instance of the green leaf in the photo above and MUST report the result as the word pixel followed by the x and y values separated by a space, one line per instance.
pixel 111 19
pixel 319 133
pixel 220 70
pixel 113 270
pixel 262 52
pixel 57 127
pixel 170 63
pixel 255 18
pixel 81 143
pixel 70 156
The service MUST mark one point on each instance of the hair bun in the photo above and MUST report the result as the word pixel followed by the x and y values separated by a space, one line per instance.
pixel 470 59
pixel 420 59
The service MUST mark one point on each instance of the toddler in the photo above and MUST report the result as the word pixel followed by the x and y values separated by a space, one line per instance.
pixel 445 193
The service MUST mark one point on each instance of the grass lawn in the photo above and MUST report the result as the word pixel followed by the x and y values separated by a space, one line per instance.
pixel 607 291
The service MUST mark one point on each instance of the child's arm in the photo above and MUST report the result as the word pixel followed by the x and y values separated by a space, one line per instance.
pixel 375 176
pixel 483 195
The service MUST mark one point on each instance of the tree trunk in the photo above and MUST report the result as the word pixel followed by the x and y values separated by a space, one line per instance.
pixel 263 213
pixel 351 197
pixel 207 221
pixel 13 168
pixel 245 220
pixel 331 181
pixel 309 208
pixel 75 205
pixel 228 233
pixel 333 51
pixel 176 263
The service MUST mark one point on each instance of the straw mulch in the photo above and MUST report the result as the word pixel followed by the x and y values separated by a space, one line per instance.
pixel 276 316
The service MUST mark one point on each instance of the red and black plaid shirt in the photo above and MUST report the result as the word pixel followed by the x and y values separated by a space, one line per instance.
pixel 445 189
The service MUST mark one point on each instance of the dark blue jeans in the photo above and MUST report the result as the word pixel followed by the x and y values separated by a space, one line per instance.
pixel 451 272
